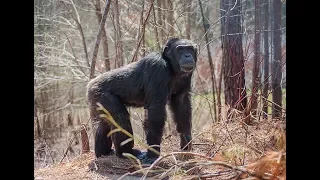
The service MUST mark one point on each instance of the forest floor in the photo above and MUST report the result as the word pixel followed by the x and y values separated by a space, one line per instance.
pixel 220 151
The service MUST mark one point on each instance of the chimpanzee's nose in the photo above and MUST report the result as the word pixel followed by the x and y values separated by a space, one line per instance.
pixel 187 55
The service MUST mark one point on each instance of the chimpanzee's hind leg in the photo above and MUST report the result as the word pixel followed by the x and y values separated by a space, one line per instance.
pixel 102 142
pixel 121 116
pixel 100 129
pixel 181 108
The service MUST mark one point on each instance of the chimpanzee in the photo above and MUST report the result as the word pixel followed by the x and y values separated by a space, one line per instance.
pixel 152 82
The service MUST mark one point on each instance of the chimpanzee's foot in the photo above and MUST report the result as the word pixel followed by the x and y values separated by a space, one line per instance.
pixel 185 143
pixel 143 157
pixel 111 152
pixel 134 152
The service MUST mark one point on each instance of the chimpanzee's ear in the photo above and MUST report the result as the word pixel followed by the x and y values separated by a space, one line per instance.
pixel 195 51
pixel 166 52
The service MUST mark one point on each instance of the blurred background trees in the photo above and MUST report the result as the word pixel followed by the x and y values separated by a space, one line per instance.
pixel 241 62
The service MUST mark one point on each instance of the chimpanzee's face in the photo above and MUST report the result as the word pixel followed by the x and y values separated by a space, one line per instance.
pixel 186 55
pixel 182 54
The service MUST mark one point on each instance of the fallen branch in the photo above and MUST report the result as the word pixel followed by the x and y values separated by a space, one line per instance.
pixel 68 147
pixel 196 163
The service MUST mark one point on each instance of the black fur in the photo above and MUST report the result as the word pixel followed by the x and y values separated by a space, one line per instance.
pixel 149 83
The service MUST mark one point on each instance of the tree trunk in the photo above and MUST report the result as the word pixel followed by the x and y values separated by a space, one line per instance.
pixel 194 20
pixel 71 97
pixel 96 48
pixel 266 59
pixel 142 31
pixel 256 61
pixel 233 60
pixel 156 28
pixel 38 128
pixel 276 63
pixel 84 139
pixel 188 23
pixel 160 20
pixel 219 86
pixel 219 91
pixel 119 48
pixel 164 21
pixel 170 17
pixel 104 37
pixel 134 57
pixel 205 27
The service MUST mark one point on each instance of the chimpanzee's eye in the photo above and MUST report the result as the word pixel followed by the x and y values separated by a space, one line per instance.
pixel 179 49
pixel 190 48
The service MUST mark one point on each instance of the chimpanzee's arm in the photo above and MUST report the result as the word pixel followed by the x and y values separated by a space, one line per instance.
pixel 182 112
pixel 156 89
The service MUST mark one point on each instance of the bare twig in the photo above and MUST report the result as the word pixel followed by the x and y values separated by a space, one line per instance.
pixel 77 20
pixel 74 54
pixel 68 147
pixel 213 78
pixel 84 139
pixel 208 162
pixel 141 35
pixel 96 48
pixel 104 37
pixel 156 27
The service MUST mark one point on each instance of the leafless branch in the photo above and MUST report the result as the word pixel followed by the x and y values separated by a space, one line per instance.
pixel 96 48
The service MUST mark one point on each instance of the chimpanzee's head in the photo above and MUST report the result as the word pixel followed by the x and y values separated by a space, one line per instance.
pixel 181 53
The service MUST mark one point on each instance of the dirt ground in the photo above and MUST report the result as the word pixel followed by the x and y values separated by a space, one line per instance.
pixel 230 143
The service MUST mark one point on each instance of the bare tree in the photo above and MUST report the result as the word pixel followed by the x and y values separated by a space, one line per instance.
pixel 142 31
pixel 266 59
pixel 78 22
pixel 156 27
pixel 160 20
pixel 134 57
pixel 104 37
pixel 164 20
pixel 37 124
pixel 276 63
pixel 256 61
pixel 96 48
pixel 205 26
pixel 170 17
pixel 233 59
pixel 84 139
pixel 119 48
pixel 219 103
pixel 188 17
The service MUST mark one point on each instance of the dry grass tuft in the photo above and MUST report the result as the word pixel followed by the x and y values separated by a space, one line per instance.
pixel 77 168
pixel 225 150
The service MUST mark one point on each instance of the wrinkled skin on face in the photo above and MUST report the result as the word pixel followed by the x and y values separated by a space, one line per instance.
pixel 182 54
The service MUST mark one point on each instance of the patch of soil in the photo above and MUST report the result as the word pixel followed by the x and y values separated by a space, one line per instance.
pixel 229 143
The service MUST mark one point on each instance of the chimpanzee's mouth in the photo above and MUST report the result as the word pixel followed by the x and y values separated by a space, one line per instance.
pixel 187 67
